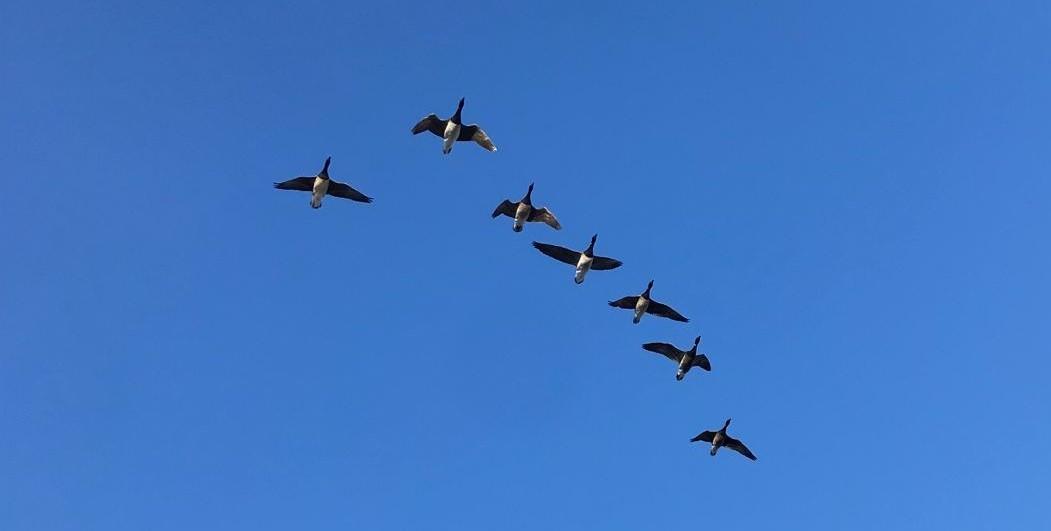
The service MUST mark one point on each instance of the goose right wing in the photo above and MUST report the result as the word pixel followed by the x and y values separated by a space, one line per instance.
pixel 545 215
pixel 303 184
pixel 705 436
pixel 561 254
pixel 431 123
pixel 601 263
pixel 628 303
pixel 668 351
pixel 506 208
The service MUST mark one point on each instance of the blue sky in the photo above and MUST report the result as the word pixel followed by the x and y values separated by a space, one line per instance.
pixel 849 202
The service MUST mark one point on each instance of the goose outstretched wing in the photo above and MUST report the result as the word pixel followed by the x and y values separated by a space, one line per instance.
pixel 628 303
pixel 431 123
pixel 561 254
pixel 475 133
pixel 739 447
pixel 303 184
pixel 544 215
pixel 668 351
pixel 601 263
pixel 506 208
pixel 346 192
pixel 664 310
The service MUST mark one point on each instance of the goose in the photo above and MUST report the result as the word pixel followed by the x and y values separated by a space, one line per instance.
pixel 452 130
pixel 320 185
pixel 644 304
pixel 684 358
pixel 583 260
pixel 720 439
pixel 523 211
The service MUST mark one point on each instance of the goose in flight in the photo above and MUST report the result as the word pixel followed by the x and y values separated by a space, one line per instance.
pixel 643 304
pixel 320 185
pixel 583 261
pixel 685 359
pixel 523 211
pixel 720 439
pixel 453 130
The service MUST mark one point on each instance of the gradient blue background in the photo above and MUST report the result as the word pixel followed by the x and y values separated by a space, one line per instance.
pixel 849 201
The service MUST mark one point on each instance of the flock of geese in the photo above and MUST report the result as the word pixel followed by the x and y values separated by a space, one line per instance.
pixel 453 130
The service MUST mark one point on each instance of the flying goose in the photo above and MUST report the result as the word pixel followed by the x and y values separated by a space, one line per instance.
pixel 644 304
pixel 583 260
pixel 452 130
pixel 684 358
pixel 523 211
pixel 320 185
pixel 720 439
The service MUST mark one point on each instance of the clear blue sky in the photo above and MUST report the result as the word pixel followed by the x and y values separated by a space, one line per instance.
pixel 850 202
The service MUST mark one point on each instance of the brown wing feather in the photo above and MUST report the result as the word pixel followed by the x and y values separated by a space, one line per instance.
pixel 506 208
pixel 601 263
pixel 628 303
pixel 544 215
pixel 702 361
pixel 431 123
pixel 346 192
pixel 739 447
pixel 664 310
pixel 668 351
pixel 302 184
pixel 705 436
pixel 559 253
pixel 475 133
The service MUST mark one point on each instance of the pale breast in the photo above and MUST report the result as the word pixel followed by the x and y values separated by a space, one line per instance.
pixel 320 186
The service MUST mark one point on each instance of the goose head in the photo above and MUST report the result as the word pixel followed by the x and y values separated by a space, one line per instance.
pixel 324 170
pixel 591 246
pixel 679 374
pixel 528 198
pixel 456 116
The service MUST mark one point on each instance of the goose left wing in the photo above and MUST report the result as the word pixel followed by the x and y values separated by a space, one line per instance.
pixel 346 192
pixel 664 310
pixel 559 253
pixel 668 351
pixel 544 215
pixel 739 447
pixel 701 361
pixel 601 263
pixel 475 133
pixel 303 184
pixel 431 123
pixel 506 208
pixel 706 436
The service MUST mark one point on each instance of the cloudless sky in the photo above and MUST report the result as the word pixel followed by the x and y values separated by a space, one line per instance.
pixel 849 200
